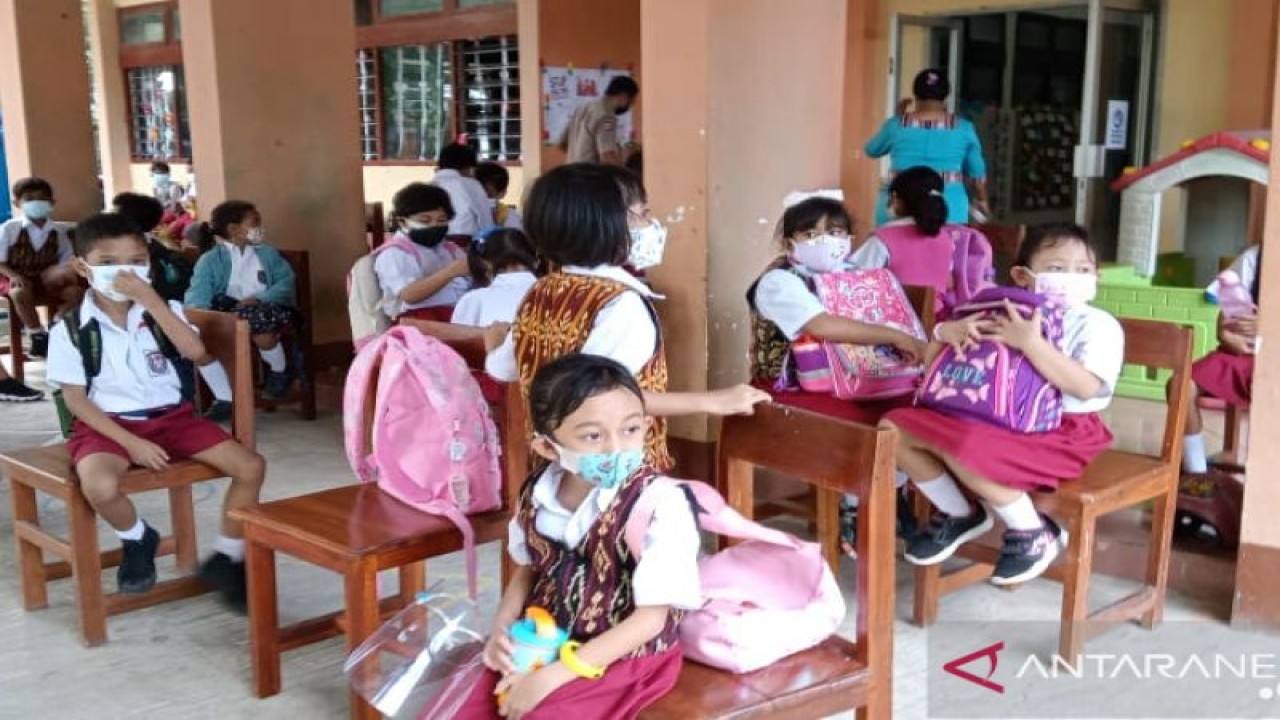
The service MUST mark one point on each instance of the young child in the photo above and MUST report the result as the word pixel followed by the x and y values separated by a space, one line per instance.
pixel 589 421
pixel 587 221
pixel 472 210
pixel 34 260
pixel 919 245
pixel 131 413
pixel 13 391
pixel 251 279
pixel 998 465
pixel 502 269
pixel 169 193
pixel 428 282
pixel 495 180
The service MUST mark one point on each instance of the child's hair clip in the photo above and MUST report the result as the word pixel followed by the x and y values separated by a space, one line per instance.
pixel 478 240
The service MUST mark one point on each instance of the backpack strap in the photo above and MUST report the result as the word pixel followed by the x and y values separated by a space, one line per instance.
pixel 710 512
pixel 87 338
pixel 167 348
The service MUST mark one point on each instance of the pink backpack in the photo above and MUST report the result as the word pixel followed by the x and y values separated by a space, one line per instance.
pixel 964 270
pixel 435 446
pixel 765 598
pixel 859 372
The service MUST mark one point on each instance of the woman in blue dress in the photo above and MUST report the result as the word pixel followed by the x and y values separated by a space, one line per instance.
pixel 933 137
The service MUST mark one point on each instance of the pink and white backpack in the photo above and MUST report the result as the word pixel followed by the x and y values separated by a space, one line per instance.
pixel 435 445
pixel 366 308
pixel 765 598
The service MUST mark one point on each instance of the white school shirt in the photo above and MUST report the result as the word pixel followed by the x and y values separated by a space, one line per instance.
pixel 246 280
pixel 785 300
pixel 397 269
pixel 13 227
pixel 499 302
pixel 667 573
pixel 1246 266
pixel 625 331
pixel 135 374
pixel 472 211
pixel 1095 339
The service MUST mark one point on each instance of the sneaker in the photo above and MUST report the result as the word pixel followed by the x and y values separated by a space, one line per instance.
pixel 39 344
pixel 907 526
pixel 226 576
pixel 276 386
pixel 1028 553
pixel 219 412
pixel 13 391
pixel 944 534
pixel 137 571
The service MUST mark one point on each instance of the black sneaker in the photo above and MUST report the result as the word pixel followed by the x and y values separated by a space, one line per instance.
pixel 219 412
pixel 137 571
pixel 944 534
pixel 39 344
pixel 907 526
pixel 276 385
pixel 1028 553
pixel 13 391
pixel 227 577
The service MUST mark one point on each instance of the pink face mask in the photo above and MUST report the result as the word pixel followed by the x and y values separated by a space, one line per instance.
pixel 1068 289
pixel 822 254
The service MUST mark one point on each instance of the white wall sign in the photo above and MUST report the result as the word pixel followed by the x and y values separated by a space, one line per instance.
pixel 565 88
pixel 1117 124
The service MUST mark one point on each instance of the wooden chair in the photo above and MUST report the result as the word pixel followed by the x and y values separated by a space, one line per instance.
pixel 17 354
pixel 1232 458
pixel 1116 481
pixel 375 225
pixel 48 469
pixel 358 531
pixel 300 343
pixel 836 675
pixel 1005 242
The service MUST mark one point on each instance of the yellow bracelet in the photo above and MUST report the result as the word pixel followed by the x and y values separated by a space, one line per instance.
pixel 569 658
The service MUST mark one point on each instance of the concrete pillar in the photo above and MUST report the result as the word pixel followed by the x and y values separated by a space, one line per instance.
pixel 275 121
pixel 44 94
pixel 737 114
pixel 109 96
pixel 529 39
pixel 866 48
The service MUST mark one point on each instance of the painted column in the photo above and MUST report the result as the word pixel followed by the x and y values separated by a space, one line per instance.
pixel 44 94
pixel 109 96
pixel 275 121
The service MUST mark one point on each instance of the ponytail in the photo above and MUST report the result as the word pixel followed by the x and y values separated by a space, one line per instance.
pixel 919 193
pixel 205 237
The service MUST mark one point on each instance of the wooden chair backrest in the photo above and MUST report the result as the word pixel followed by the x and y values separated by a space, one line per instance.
pixel 1164 346
pixel 300 261
pixel 1005 240
pixel 226 338
pixel 375 224
pixel 923 300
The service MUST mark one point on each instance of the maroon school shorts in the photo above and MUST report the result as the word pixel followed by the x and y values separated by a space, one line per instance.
pixel 179 432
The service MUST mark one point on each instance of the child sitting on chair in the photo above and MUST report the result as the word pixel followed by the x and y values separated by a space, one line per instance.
pixel 34 257
pixel 424 277
pixel 588 415
pixel 130 413
pixel 503 266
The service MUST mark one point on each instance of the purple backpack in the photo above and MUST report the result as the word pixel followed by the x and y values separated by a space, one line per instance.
pixel 993 382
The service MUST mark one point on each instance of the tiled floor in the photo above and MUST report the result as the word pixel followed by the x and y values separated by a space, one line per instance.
pixel 190 659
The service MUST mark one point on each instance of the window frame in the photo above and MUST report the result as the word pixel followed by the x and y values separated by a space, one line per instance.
pixel 146 55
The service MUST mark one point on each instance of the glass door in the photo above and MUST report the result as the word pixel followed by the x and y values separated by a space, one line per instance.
pixel 919 43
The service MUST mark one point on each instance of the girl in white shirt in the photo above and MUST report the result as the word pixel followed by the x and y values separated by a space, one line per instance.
pixel 998 465
pixel 502 269
pixel 421 274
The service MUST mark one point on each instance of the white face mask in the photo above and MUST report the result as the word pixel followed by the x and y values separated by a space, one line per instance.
pixel 255 236
pixel 104 279
pixel 1068 289
pixel 647 245
pixel 37 209
pixel 822 254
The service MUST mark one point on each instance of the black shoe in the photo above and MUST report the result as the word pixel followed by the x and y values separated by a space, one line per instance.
pixel 39 345
pixel 848 527
pixel 1028 553
pixel 276 385
pixel 907 526
pixel 137 571
pixel 227 577
pixel 219 412
pixel 944 534
pixel 13 391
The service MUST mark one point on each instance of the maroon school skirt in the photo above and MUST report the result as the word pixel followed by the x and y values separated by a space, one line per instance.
pixel 628 687
pixel 1225 376
pixel 440 313
pixel 179 432
pixel 1023 461
pixel 867 413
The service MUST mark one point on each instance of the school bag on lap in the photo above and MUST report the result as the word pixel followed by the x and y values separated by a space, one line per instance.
pixel 434 444
pixel 765 598
pixel 993 382
pixel 365 306
pixel 859 372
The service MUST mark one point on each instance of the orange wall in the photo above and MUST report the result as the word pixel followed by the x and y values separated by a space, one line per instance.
pixel 588 33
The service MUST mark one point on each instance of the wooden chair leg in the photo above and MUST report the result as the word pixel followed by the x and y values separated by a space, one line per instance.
pixel 86 567
pixel 182 510
pixel 264 623
pixel 15 345
pixel 363 617
pixel 413 580
pixel 35 594
pixel 1231 431
pixel 927 596
pixel 827 515
pixel 1077 572
pixel 1158 554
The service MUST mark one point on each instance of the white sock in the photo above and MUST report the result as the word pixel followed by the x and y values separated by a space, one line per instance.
pixel 1020 514
pixel 215 376
pixel 945 495
pixel 274 357
pixel 900 479
pixel 851 500
pixel 1194 459
pixel 133 533
pixel 231 547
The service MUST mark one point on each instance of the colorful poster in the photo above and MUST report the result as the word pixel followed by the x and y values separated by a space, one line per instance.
pixel 566 88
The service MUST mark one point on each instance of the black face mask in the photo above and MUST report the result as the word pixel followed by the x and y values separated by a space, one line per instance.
pixel 429 237
pixel 621 110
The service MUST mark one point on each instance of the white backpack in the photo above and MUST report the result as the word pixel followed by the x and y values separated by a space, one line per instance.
pixel 365 305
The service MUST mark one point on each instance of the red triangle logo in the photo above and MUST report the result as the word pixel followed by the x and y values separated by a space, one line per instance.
pixel 989 652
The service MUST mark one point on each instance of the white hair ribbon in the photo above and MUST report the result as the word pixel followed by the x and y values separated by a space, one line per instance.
pixel 798 197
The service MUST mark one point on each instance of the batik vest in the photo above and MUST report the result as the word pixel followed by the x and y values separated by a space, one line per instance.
pixel 769 345
pixel 29 262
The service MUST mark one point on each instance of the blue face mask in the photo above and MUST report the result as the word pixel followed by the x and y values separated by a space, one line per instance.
pixel 37 209
pixel 606 470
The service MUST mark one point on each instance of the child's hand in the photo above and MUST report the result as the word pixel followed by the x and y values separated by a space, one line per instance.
pixel 495 335
pixel 1016 331
pixel 965 333
pixel 459 268
pixel 147 454
pixel 737 400
pixel 1237 343
pixel 136 289
pixel 498 653
pixel 525 691
pixel 911 348
pixel 1246 325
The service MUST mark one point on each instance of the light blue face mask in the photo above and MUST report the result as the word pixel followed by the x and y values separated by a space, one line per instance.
pixel 37 209
pixel 606 470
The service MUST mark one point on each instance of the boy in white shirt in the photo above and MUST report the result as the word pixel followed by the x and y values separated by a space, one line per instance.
pixel 34 252
pixel 130 411
pixel 456 176
pixel 495 179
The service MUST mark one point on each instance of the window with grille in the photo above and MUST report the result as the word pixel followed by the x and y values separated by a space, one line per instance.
pixel 491 96
pixel 158 111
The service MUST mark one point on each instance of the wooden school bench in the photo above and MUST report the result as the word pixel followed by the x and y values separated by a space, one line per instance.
pixel 48 469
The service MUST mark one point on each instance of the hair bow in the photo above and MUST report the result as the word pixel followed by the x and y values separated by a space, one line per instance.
pixel 798 197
